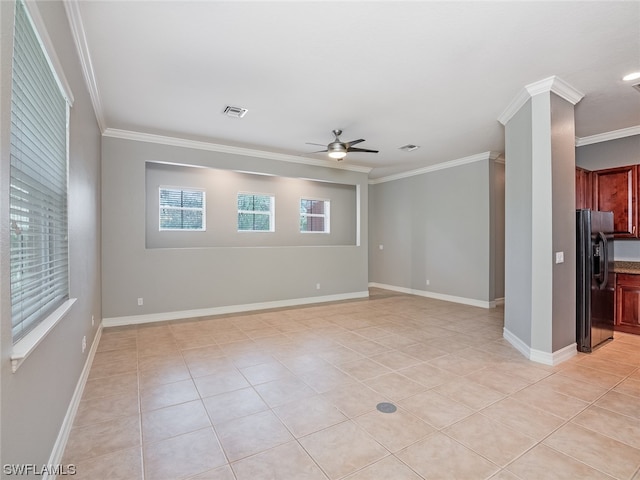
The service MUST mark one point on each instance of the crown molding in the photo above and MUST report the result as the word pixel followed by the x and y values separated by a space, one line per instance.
pixel 604 137
pixel 440 166
pixel 551 84
pixel 214 147
pixel 558 86
pixel 72 8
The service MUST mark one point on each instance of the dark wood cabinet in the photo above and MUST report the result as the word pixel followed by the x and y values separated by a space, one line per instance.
pixel 583 188
pixel 616 190
pixel 627 303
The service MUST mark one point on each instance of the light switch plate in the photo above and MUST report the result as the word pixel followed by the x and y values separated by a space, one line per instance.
pixel 559 257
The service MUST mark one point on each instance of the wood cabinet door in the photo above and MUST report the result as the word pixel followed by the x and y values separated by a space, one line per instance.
pixel 628 303
pixel 583 188
pixel 615 189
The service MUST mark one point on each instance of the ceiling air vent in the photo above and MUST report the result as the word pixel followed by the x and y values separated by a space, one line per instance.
pixel 235 112
pixel 409 147
pixel 636 86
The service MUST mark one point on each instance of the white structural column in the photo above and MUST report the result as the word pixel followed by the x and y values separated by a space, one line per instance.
pixel 540 221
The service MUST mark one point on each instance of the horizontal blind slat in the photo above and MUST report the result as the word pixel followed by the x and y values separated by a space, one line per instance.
pixel 39 260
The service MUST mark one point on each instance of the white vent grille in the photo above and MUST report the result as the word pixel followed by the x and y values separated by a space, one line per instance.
pixel 235 112
pixel 409 147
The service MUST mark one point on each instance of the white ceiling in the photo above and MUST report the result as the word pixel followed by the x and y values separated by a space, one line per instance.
pixel 434 74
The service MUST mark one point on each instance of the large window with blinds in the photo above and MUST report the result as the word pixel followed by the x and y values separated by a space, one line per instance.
pixel 38 183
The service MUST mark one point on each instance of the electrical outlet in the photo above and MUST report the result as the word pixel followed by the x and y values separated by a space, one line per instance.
pixel 317 286
pixel 381 247
pixel 84 343
pixel 428 282
pixel 93 321
pixel 140 302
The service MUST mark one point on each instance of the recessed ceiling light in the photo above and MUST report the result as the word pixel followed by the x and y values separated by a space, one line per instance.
pixel 631 76
pixel 409 147
pixel 236 112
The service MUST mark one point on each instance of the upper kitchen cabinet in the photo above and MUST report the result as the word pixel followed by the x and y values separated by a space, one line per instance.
pixel 583 188
pixel 616 190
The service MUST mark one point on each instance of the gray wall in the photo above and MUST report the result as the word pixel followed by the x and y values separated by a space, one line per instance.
pixel 34 400
pixel 563 223
pixel 518 221
pixel 182 279
pixel 497 244
pixel 610 154
pixel 436 226
pixel 540 221
pixel 221 189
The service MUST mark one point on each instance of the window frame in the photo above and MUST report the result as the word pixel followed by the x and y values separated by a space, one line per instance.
pixel 203 227
pixel 326 215
pixel 271 213
pixel 51 309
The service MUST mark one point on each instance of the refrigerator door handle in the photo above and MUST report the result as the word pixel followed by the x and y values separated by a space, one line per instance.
pixel 604 258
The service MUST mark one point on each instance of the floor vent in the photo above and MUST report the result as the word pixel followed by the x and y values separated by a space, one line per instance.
pixel 386 407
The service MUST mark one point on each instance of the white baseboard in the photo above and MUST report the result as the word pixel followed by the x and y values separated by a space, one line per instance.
pixel 67 423
pixel 438 296
pixel 539 356
pixel 205 312
pixel 518 344
pixel 499 301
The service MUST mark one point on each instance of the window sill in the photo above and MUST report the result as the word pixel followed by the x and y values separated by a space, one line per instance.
pixel 25 346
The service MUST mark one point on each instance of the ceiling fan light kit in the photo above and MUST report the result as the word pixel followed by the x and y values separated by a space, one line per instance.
pixel 338 154
pixel 338 149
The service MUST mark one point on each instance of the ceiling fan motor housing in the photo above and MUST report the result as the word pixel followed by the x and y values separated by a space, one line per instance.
pixel 337 150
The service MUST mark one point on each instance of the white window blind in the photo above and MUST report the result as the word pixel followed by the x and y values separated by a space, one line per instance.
pixel 38 183
pixel 182 209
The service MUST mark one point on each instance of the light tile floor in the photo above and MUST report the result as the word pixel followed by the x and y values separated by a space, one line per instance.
pixel 292 394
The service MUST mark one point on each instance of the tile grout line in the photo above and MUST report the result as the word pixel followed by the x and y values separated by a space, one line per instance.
pixel 257 341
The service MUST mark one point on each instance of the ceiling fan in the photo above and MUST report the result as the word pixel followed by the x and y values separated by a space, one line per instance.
pixel 338 149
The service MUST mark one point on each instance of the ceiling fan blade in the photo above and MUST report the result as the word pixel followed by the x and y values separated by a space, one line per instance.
pixel 320 151
pixel 353 142
pixel 365 150
pixel 318 144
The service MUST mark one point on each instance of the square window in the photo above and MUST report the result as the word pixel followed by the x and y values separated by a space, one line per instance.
pixel 182 209
pixel 255 212
pixel 314 216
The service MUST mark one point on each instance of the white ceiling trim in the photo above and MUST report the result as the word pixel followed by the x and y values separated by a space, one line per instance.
pixel 604 137
pixel 77 31
pixel 440 166
pixel 551 84
pixel 214 147
pixel 558 86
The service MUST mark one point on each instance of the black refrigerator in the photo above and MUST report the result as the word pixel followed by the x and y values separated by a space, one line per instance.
pixel 594 279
